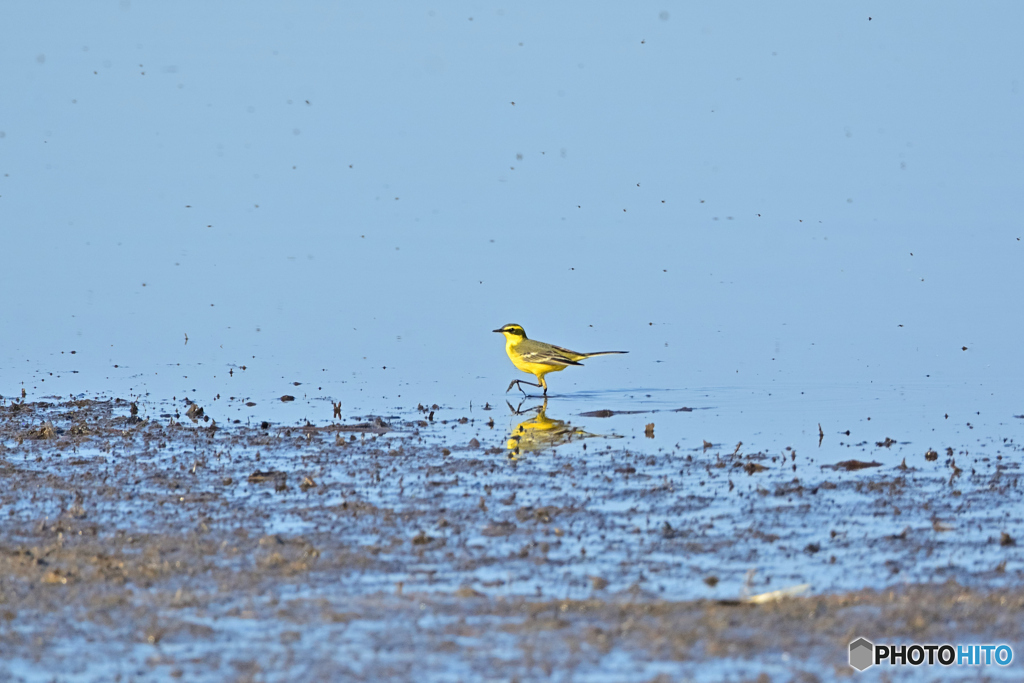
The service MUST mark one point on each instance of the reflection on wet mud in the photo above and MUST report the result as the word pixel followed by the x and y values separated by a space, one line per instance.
pixel 541 431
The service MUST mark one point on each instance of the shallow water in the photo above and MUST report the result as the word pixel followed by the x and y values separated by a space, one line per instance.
pixel 328 196
pixel 793 219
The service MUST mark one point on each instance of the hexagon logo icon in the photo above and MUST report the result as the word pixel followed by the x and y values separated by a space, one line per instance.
pixel 862 654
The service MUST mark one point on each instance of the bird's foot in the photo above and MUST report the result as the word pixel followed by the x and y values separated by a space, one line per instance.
pixel 518 383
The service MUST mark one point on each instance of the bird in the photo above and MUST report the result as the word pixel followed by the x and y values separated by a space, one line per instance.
pixel 539 358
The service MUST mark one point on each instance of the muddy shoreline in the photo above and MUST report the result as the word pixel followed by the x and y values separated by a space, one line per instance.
pixel 140 543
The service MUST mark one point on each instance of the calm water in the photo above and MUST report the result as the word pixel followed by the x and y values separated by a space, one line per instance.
pixel 790 216
pixel 787 216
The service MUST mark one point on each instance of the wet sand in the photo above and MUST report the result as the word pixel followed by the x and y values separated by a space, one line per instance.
pixel 140 543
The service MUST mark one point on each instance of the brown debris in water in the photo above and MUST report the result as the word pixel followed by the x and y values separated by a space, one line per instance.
pixel 851 465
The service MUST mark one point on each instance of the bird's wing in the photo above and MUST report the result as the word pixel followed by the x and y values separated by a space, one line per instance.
pixel 544 354
pixel 569 353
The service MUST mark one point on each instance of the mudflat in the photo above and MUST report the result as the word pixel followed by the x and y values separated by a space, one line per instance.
pixel 146 540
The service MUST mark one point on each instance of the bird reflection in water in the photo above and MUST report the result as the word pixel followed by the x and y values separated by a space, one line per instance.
pixel 540 431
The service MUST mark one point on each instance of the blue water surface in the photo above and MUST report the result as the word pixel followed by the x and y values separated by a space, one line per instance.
pixel 790 213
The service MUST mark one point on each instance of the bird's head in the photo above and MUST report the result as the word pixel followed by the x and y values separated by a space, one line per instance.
pixel 512 332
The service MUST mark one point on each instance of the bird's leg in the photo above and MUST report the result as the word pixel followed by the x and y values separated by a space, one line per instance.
pixel 518 410
pixel 517 383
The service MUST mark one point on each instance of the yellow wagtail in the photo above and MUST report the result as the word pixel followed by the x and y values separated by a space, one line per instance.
pixel 538 358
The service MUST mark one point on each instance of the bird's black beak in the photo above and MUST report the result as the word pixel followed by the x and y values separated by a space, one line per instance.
pixel 498 330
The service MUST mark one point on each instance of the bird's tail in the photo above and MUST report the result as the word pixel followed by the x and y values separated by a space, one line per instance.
pixel 602 353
